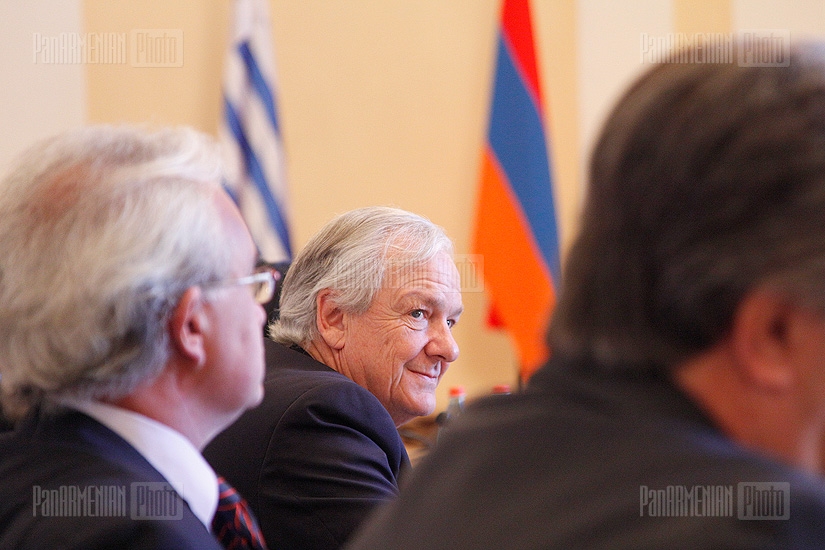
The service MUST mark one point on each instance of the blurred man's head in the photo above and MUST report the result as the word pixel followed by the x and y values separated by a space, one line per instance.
pixel 702 249
pixel 110 238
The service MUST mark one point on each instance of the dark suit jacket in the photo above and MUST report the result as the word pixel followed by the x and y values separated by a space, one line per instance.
pixel 59 454
pixel 566 464
pixel 314 458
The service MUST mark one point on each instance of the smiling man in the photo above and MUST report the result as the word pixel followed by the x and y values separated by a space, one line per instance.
pixel 363 339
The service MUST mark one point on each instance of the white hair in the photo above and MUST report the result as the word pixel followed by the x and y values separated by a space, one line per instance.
pixel 354 255
pixel 101 231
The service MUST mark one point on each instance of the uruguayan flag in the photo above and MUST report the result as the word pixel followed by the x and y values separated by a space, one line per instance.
pixel 250 135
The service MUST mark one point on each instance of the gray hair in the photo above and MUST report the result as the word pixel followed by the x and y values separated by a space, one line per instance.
pixel 101 231
pixel 354 255
pixel 708 180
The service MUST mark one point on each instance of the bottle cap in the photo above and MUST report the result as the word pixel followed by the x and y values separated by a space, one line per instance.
pixel 457 391
pixel 501 389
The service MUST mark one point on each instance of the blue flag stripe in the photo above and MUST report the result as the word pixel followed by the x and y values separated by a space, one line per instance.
pixel 517 138
pixel 253 167
pixel 259 83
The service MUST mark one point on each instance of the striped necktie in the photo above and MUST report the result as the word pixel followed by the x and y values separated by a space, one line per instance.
pixel 234 525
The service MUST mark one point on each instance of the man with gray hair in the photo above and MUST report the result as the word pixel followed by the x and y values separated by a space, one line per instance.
pixel 363 338
pixel 128 338
pixel 684 402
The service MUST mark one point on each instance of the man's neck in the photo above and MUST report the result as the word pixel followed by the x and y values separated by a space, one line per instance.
pixel 766 421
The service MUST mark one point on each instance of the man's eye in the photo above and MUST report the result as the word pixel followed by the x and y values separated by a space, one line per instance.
pixel 417 314
pixel 451 323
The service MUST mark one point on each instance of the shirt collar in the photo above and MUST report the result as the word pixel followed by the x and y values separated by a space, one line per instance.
pixel 167 450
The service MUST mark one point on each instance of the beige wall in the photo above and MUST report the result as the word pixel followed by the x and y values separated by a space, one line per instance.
pixel 382 102
pixel 159 95
pixel 36 99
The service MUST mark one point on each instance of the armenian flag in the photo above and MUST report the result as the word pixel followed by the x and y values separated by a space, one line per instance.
pixel 516 231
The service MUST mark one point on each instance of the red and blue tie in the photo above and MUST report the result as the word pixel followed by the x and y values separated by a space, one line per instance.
pixel 234 525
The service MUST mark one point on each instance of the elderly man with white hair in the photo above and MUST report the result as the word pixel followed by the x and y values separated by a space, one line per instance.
pixel 130 334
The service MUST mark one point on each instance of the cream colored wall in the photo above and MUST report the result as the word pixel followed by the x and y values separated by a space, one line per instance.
pixel 36 99
pixel 159 95
pixel 804 18
pixel 608 49
pixel 381 102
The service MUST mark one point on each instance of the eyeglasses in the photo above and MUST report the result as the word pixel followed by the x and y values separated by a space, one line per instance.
pixel 263 283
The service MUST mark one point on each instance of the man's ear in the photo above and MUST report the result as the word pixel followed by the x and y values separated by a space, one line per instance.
pixel 763 338
pixel 329 318
pixel 187 326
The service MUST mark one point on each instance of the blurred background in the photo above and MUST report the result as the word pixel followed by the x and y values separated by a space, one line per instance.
pixel 380 101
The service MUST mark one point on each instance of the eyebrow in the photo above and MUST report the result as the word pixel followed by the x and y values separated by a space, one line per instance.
pixel 429 300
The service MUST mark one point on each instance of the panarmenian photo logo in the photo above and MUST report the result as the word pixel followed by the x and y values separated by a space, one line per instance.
pixel 138 501
pixel 749 500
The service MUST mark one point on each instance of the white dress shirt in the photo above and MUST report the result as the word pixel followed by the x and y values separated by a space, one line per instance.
pixel 171 454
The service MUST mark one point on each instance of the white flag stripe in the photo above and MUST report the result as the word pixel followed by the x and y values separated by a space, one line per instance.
pixel 269 243
pixel 249 134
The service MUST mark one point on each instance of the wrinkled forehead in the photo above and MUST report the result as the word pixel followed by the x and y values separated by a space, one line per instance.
pixel 436 273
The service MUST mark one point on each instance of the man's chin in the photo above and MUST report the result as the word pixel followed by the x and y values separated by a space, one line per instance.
pixel 426 406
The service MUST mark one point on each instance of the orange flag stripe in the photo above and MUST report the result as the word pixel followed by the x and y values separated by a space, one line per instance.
pixel 507 236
